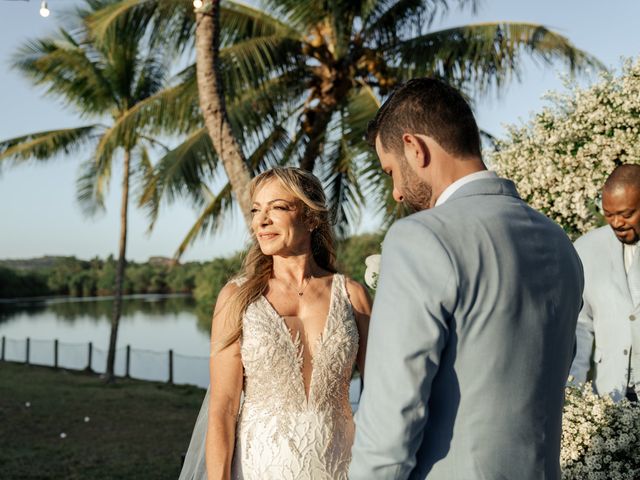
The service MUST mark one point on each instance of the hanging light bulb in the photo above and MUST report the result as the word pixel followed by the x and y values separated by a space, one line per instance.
pixel 44 10
pixel 197 3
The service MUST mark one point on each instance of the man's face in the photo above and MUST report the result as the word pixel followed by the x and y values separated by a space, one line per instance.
pixel 621 207
pixel 407 187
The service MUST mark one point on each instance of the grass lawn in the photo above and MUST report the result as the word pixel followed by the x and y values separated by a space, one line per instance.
pixel 136 430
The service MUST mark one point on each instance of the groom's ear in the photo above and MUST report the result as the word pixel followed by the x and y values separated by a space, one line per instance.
pixel 416 150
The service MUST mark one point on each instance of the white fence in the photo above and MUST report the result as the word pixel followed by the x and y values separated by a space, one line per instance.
pixel 130 362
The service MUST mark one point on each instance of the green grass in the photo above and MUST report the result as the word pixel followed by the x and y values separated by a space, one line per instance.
pixel 136 430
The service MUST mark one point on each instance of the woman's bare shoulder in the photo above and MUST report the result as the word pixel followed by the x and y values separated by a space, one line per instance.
pixel 358 293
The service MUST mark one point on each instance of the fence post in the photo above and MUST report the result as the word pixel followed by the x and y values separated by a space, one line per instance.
pixel 90 355
pixel 55 353
pixel 28 348
pixel 128 361
pixel 170 366
pixel 4 339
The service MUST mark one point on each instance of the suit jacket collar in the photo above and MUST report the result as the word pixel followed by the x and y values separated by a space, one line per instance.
pixel 485 186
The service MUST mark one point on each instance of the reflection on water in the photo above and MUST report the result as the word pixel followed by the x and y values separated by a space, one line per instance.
pixel 154 322
pixel 98 309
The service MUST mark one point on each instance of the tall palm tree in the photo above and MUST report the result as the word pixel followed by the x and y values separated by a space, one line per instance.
pixel 317 70
pixel 212 103
pixel 102 81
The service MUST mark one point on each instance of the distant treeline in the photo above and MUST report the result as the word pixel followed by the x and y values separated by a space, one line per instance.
pixel 83 278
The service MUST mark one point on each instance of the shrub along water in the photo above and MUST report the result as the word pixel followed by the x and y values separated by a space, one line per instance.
pixel 83 278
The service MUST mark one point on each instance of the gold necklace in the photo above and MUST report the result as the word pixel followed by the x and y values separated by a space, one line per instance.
pixel 301 292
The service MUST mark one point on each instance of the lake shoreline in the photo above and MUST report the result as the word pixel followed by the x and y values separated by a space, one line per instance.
pixel 70 299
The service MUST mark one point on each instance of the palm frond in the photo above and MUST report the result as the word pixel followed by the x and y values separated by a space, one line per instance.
pixel 301 15
pixel 185 169
pixel 239 21
pixel 210 218
pixel 91 187
pixel 45 145
pixel 165 19
pixel 68 70
pixel 384 20
pixel 340 177
pixel 251 62
pixel 485 55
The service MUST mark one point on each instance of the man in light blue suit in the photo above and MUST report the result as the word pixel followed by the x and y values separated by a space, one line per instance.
pixel 473 327
pixel 611 311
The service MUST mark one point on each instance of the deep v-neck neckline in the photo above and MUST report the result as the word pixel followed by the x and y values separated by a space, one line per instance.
pixel 296 344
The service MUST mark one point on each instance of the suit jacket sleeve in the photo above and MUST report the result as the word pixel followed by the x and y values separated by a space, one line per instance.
pixel 584 344
pixel 584 328
pixel 409 329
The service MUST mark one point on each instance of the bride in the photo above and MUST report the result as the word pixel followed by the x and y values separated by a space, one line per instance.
pixel 286 334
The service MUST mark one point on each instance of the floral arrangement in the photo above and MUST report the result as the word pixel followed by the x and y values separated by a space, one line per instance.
pixel 560 159
pixel 600 438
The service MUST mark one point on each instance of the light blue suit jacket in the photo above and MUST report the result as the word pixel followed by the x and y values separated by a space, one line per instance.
pixel 608 315
pixel 471 339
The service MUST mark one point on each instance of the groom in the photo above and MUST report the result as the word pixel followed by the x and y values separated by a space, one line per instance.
pixel 473 326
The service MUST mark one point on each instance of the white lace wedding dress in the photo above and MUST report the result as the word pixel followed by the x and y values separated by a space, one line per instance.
pixel 281 434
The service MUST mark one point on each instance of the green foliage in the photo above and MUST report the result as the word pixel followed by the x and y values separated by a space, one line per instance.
pixel 14 283
pixel 107 277
pixel 182 279
pixel 353 251
pixel 213 276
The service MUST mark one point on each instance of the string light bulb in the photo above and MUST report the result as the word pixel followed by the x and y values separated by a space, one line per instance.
pixel 44 10
pixel 197 3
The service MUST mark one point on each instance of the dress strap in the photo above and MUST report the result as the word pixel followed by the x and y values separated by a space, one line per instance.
pixel 341 287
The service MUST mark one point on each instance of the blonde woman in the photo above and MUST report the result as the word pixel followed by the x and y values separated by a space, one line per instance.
pixel 285 333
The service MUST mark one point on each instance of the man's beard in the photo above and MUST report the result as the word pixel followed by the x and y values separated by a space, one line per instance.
pixel 416 193
pixel 633 241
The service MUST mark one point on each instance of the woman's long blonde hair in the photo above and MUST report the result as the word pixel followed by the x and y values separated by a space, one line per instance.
pixel 257 267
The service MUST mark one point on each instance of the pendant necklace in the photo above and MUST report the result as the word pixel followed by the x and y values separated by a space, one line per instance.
pixel 301 292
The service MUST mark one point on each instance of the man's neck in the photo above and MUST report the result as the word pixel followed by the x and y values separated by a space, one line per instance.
pixel 460 169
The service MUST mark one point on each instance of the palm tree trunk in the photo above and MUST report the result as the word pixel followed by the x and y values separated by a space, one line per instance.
pixel 213 106
pixel 117 301
pixel 316 139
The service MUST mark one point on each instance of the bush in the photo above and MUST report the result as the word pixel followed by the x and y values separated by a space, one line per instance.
pixel 561 158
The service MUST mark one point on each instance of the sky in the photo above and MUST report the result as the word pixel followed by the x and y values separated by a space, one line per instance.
pixel 39 214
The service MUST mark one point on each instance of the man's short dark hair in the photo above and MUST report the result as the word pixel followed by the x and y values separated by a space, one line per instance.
pixel 430 107
pixel 624 175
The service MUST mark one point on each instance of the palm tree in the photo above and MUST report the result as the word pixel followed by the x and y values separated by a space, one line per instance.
pixel 212 103
pixel 317 71
pixel 102 81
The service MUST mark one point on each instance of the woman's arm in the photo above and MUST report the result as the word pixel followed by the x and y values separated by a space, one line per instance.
pixel 224 397
pixel 361 304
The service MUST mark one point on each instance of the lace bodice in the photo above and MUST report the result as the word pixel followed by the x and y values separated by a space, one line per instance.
pixel 281 434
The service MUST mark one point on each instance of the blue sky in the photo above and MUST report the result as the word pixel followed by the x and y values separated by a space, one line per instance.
pixel 39 214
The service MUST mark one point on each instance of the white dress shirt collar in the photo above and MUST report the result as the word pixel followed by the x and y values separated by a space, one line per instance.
pixel 444 196
pixel 629 252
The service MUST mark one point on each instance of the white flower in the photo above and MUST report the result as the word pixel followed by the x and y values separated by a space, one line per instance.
pixel 373 270
pixel 86 419
pixel 599 438
pixel 63 435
